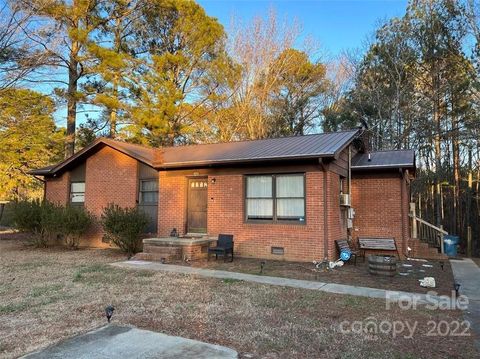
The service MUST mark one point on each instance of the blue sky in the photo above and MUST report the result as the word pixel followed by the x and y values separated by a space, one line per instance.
pixel 336 24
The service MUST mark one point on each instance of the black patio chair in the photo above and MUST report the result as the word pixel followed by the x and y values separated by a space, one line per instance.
pixel 224 247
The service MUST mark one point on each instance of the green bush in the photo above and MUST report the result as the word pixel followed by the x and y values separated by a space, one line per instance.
pixel 123 227
pixel 75 222
pixel 7 216
pixel 48 221
pixel 27 216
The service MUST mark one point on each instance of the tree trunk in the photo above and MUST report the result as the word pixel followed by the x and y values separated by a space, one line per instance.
pixel 456 177
pixel 72 100
pixel 437 142
pixel 113 111
pixel 118 49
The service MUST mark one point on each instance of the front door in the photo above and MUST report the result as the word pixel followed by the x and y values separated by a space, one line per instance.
pixel 197 205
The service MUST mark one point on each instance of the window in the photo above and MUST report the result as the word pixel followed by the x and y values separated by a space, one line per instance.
pixel 77 192
pixel 275 198
pixel 148 192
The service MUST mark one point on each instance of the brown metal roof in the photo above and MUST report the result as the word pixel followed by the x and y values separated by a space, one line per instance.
pixel 384 159
pixel 294 147
pixel 141 153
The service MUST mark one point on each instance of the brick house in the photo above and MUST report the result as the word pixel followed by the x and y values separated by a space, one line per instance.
pixel 282 198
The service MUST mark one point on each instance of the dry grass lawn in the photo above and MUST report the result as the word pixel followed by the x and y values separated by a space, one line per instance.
pixel 47 295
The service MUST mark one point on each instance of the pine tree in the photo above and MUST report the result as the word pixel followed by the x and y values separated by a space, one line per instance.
pixel 295 101
pixel 64 41
pixel 28 139
pixel 182 48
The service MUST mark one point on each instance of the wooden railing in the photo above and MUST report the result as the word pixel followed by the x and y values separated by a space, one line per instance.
pixel 427 232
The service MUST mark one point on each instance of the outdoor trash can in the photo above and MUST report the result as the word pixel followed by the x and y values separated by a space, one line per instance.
pixel 450 245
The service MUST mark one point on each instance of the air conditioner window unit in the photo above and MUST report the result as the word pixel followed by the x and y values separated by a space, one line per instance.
pixel 345 200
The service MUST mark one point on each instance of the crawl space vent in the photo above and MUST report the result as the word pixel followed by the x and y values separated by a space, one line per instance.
pixel 278 250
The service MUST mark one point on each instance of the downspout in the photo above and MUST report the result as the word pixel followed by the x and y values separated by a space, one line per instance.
pixel 325 209
pixel 402 195
pixel 350 172
pixel 349 230
pixel 325 213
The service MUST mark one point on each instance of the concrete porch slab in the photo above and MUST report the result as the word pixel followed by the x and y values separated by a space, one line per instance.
pixel 115 341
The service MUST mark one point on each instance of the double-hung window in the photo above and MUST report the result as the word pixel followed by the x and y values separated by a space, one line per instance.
pixel 275 198
pixel 77 192
pixel 148 191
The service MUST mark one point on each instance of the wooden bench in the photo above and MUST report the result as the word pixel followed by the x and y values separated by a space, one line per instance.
pixel 381 244
pixel 342 244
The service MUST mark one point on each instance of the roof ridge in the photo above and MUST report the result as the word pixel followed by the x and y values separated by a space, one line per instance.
pixel 258 139
pixel 108 139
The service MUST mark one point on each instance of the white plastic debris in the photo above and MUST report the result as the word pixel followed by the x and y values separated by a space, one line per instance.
pixel 427 282
pixel 337 263
pixel 427 265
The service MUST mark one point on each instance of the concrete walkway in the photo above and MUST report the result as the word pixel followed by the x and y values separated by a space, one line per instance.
pixel 467 274
pixel 286 282
pixel 115 341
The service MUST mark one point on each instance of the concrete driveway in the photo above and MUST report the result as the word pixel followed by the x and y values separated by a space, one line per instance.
pixel 114 341
pixel 467 274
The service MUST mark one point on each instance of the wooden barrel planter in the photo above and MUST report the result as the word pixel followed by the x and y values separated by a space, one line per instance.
pixel 382 265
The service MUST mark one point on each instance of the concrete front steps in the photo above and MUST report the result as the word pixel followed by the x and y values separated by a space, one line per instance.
pixel 423 250
pixel 156 253
pixel 173 248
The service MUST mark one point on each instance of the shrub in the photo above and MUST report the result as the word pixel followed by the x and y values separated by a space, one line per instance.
pixel 27 216
pixel 7 217
pixel 75 221
pixel 123 227
pixel 47 221
pixel 50 220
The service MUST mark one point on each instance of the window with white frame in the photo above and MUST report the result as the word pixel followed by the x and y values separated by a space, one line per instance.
pixel 148 191
pixel 276 198
pixel 77 192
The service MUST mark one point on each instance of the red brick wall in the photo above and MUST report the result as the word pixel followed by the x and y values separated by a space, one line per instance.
pixel 111 177
pixel 172 203
pixel 300 242
pixel 337 227
pixel 376 199
pixel 226 215
pixel 57 189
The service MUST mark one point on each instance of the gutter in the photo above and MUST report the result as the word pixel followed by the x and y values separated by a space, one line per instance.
pixel 366 167
pixel 193 164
